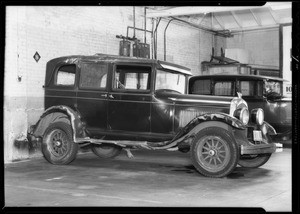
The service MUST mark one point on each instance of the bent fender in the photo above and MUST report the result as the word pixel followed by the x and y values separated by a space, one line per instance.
pixel 75 120
pixel 219 117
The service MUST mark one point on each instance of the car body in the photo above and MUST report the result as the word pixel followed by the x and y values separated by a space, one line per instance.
pixel 112 103
pixel 258 91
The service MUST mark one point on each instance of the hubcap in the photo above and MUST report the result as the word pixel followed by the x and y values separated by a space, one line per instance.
pixel 213 153
pixel 58 142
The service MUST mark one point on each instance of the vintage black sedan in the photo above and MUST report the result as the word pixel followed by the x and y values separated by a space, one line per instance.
pixel 258 91
pixel 113 103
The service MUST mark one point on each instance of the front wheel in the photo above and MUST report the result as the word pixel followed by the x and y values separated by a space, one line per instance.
pixel 254 161
pixel 214 152
pixel 57 145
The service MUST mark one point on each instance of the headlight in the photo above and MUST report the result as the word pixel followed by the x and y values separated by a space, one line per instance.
pixel 257 116
pixel 243 115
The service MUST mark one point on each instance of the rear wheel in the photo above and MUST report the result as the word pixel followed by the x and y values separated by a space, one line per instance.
pixel 57 145
pixel 254 161
pixel 106 150
pixel 214 152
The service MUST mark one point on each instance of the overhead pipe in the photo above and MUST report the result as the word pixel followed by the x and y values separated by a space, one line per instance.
pixel 134 28
pixel 203 28
pixel 165 43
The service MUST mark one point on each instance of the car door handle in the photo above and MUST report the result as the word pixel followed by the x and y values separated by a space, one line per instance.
pixel 105 95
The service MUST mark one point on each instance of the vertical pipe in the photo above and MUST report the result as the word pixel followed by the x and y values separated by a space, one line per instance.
pixel 133 22
pixel 152 38
pixel 155 34
pixel 165 42
pixel 145 22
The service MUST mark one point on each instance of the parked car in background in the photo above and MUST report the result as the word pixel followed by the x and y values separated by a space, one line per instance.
pixel 259 92
pixel 113 103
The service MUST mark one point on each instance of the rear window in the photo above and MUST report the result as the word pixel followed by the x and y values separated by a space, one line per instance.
pixel 65 75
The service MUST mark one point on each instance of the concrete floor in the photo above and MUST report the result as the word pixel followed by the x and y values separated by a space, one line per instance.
pixel 151 179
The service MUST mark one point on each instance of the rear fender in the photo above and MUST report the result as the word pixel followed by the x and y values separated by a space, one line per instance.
pixel 61 113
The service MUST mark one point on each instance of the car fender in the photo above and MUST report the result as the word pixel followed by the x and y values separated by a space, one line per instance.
pixel 268 129
pixel 211 119
pixel 61 113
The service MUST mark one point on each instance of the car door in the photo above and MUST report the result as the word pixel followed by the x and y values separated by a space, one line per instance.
pixel 92 95
pixel 130 98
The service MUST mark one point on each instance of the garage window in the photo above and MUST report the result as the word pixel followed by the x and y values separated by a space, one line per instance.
pixel 93 75
pixel 65 75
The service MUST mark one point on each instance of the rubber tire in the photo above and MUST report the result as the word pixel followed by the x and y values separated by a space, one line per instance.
pixel 48 149
pixel 229 143
pixel 254 162
pixel 106 151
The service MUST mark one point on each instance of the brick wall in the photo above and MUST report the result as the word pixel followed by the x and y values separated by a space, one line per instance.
pixel 58 31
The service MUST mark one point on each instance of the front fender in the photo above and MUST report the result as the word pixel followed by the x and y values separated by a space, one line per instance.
pixel 218 117
pixel 268 129
pixel 55 113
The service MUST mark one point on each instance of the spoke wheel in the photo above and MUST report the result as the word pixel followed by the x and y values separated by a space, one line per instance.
pixel 57 145
pixel 214 152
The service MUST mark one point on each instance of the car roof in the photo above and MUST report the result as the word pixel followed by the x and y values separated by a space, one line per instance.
pixel 115 58
pixel 238 76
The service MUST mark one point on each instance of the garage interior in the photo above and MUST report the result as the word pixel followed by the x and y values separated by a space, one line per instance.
pixel 257 38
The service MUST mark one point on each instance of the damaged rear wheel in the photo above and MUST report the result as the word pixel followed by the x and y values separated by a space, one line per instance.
pixel 57 145
pixel 106 150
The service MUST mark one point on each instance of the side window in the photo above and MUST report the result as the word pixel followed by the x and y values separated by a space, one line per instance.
pixel 247 88
pixel 132 77
pixel 224 88
pixel 93 75
pixel 201 87
pixel 65 75
pixel 251 88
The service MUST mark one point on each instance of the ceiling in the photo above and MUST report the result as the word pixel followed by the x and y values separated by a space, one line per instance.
pixel 228 18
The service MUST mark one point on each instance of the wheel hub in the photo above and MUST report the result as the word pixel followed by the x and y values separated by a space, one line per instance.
pixel 57 143
pixel 212 152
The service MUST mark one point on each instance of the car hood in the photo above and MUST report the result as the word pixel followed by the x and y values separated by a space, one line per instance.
pixel 188 99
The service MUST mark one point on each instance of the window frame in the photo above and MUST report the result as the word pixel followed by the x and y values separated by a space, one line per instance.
pixel 57 68
pixel 114 89
pixel 233 88
pixel 211 92
pixel 256 82
pixel 93 88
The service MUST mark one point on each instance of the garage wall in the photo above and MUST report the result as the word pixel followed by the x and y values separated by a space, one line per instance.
pixel 262 45
pixel 59 31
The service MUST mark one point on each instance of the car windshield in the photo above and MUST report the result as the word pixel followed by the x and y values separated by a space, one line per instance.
pixel 169 80
pixel 272 87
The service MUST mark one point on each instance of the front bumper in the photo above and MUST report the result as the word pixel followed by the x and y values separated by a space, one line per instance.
pixel 261 149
